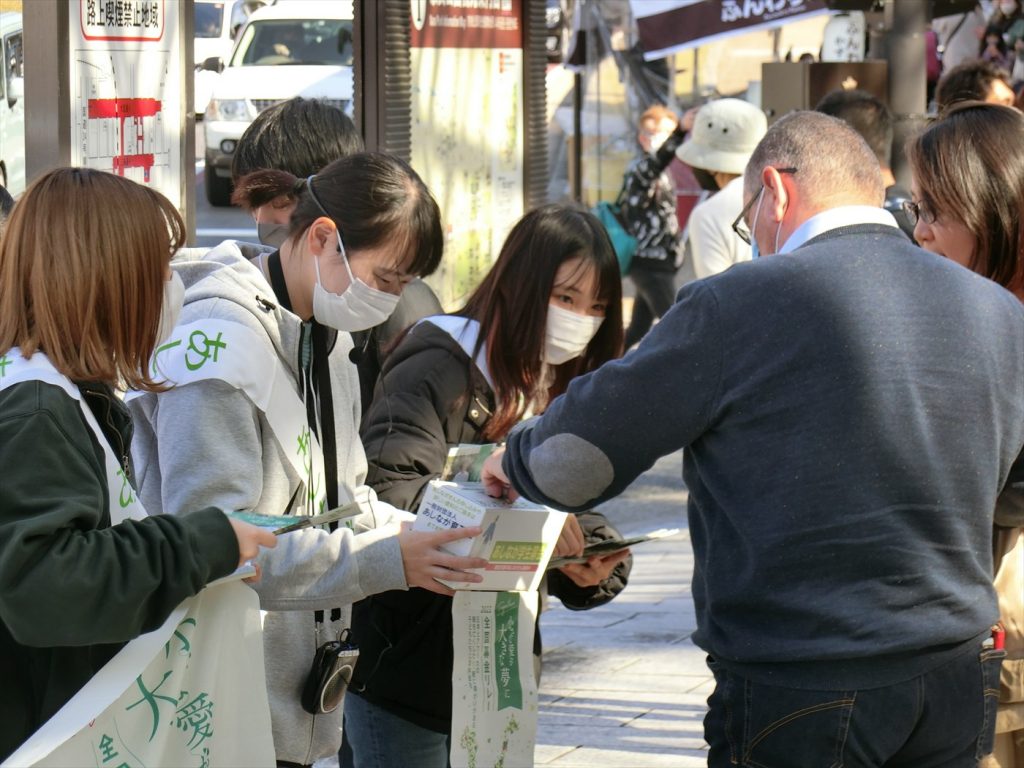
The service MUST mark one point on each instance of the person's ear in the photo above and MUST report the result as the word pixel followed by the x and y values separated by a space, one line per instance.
pixel 777 192
pixel 320 237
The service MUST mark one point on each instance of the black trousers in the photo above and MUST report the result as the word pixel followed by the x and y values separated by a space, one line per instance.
pixel 655 292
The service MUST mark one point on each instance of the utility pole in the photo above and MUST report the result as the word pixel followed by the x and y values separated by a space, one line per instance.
pixel 908 87
pixel 896 34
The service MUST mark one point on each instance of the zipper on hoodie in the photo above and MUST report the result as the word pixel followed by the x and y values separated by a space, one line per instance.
pixel 113 433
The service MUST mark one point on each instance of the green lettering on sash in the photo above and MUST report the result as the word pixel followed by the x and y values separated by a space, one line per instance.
pixel 205 349
pixel 164 348
pixel 4 362
pixel 150 697
pixel 125 498
pixel 196 715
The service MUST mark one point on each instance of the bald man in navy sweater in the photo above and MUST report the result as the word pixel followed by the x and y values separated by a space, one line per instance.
pixel 850 406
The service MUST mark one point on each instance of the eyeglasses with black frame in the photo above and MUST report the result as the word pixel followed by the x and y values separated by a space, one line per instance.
pixel 739 226
pixel 918 210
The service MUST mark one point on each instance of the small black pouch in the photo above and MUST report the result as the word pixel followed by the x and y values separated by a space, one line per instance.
pixel 329 675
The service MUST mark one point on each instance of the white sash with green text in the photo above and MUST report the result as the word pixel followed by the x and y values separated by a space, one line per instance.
pixel 230 352
pixel 191 693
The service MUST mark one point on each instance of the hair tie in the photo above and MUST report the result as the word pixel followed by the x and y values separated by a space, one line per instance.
pixel 312 193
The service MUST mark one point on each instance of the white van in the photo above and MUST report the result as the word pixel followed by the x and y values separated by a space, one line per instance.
pixel 294 48
pixel 12 104
pixel 216 23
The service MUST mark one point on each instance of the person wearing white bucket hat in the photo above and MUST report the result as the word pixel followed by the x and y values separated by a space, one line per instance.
pixel 724 135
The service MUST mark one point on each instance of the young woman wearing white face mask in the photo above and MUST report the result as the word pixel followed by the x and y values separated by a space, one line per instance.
pixel 264 410
pixel 548 310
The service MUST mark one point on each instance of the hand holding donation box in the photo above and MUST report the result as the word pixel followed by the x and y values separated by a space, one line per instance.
pixel 518 537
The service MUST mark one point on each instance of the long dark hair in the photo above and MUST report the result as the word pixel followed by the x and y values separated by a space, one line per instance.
pixel 511 305
pixel 374 199
pixel 969 168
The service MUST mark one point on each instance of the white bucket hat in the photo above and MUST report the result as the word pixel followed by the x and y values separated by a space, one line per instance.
pixel 724 135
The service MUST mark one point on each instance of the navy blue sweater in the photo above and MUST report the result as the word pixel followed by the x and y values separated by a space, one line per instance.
pixel 849 412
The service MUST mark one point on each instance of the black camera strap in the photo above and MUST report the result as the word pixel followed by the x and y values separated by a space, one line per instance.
pixel 328 435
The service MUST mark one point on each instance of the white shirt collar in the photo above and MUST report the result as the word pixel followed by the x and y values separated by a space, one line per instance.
pixel 834 218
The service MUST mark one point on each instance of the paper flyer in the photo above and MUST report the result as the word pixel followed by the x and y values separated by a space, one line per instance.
pixel 494 704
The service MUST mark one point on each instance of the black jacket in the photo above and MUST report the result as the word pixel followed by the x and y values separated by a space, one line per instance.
pixel 73 589
pixel 648 208
pixel 430 397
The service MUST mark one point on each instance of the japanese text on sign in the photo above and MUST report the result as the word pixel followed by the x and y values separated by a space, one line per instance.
pixel 126 20
pixel 745 9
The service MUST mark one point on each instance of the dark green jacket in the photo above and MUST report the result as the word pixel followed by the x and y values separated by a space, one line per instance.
pixel 73 589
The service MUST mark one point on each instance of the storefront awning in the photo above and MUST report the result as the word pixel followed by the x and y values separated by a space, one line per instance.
pixel 668 26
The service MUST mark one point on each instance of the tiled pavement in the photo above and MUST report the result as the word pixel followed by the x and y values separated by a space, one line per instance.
pixel 622 684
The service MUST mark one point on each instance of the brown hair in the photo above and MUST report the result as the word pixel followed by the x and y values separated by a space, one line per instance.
pixel 655 114
pixel 967 169
pixel 970 81
pixel 82 265
pixel 511 305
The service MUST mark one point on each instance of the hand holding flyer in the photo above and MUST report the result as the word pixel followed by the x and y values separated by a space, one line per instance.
pixel 612 546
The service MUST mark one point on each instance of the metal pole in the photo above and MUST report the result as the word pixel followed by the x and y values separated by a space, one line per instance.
pixel 187 71
pixel 908 88
pixel 577 136
pixel 47 102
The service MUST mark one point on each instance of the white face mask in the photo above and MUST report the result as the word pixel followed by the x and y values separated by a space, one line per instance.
pixel 357 308
pixel 755 250
pixel 568 334
pixel 170 310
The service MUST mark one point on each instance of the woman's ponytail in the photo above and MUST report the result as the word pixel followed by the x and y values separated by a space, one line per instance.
pixel 261 187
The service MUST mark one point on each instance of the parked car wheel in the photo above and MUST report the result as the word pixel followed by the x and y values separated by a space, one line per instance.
pixel 218 189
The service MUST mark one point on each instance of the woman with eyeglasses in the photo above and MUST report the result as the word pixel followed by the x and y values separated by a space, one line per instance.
pixel 968 204
pixel 264 408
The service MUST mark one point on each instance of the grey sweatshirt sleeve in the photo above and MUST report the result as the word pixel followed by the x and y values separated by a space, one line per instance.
pixel 613 424
pixel 213 449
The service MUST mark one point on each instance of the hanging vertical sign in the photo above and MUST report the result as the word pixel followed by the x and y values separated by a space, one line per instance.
pixel 467 127
pixel 126 90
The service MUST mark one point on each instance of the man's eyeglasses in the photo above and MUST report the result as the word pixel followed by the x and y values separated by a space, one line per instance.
pixel 739 226
pixel 918 211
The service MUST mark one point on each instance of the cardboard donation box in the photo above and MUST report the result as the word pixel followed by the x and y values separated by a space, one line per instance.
pixel 494 692
pixel 518 537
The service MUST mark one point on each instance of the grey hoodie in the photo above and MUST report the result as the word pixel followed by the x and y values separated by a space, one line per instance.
pixel 205 444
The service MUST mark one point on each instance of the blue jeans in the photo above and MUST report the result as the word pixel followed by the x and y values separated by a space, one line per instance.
pixel 379 739
pixel 942 719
